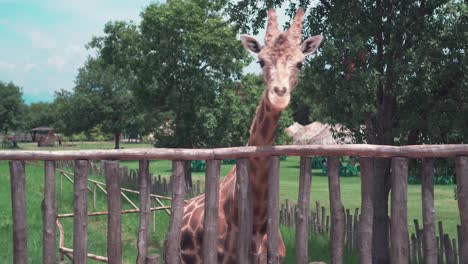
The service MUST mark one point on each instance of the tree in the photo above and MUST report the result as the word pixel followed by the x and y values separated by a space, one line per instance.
pixel 39 114
pixel 189 55
pixel 11 106
pixel 102 92
pixel 391 72
pixel 102 97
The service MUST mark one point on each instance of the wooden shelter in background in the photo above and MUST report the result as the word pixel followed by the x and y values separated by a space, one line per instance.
pixel 44 136
pixel 317 133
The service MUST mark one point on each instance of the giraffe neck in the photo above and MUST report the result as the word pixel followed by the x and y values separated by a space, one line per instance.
pixel 262 133
pixel 263 128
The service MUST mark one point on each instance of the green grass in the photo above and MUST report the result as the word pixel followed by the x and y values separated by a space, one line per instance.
pixel 446 209
pixel 319 248
pixel 97 228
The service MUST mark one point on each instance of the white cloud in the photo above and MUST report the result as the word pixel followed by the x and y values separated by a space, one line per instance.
pixel 57 62
pixel 41 40
pixel 5 66
pixel 29 67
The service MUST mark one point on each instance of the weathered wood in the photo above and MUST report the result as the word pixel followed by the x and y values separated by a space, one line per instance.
pixel 356 230
pixel 449 258
pixel 441 244
pixel 322 222
pixel 49 215
pixel 128 211
pixel 94 197
pixel 348 230
pixel 18 204
pixel 152 259
pixel 455 252
pixel 367 209
pixel 259 258
pixel 244 203
pixel 413 249
pixel 418 239
pixel 421 151
pixel 210 221
pixel 80 208
pixel 61 238
pixel 303 204
pixel 145 204
pixel 459 241
pixel 399 222
pixel 462 198
pixel 172 243
pixel 114 205
pixel 427 192
pixel 317 215
pixel 69 251
pixel 337 212
pixel 439 254
pixel 273 213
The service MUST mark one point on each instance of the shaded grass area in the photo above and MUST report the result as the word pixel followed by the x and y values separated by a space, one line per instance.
pixel 446 209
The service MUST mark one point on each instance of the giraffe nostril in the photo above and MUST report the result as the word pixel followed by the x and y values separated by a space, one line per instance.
pixel 279 91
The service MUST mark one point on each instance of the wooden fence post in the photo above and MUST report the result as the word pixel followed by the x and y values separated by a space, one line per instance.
pixel 303 205
pixel 244 193
pixel 172 243
pixel 273 213
pixel 152 259
pixel 399 220
pixel 449 257
pixel 80 208
pixel 18 204
pixel 145 204
pixel 114 205
pixel 462 198
pixel 49 215
pixel 367 209
pixel 210 222
pixel 429 231
pixel 337 211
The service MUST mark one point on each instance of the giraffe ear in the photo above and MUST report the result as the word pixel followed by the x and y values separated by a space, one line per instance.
pixel 311 44
pixel 251 44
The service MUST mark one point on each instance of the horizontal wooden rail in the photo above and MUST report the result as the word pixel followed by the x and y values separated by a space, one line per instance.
pixel 129 211
pixel 364 150
pixel 89 255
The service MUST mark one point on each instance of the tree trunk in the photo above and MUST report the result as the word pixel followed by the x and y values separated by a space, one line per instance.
pixel 380 236
pixel 117 141
pixel 188 174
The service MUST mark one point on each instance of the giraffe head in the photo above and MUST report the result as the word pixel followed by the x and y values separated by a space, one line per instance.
pixel 281 58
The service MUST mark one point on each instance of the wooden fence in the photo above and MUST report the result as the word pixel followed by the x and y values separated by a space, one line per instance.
pixel 319 225
pixel 399 227
pixel 130 179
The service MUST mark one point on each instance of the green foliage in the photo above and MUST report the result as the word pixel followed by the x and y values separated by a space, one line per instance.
pixel 385 81
pixel 102 95
pixel 11 106
pixel 39 115
pixel 198 166
pixel 191 56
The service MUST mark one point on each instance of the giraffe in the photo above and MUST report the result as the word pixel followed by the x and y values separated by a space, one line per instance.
pixel 281 60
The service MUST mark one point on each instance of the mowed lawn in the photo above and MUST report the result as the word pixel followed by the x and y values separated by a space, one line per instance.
pixel 445 205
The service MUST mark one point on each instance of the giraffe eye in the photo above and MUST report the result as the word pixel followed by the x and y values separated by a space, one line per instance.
pixel 261 62
pixel 299 65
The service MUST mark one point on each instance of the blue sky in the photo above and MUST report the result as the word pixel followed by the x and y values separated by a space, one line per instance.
pixel 43 41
